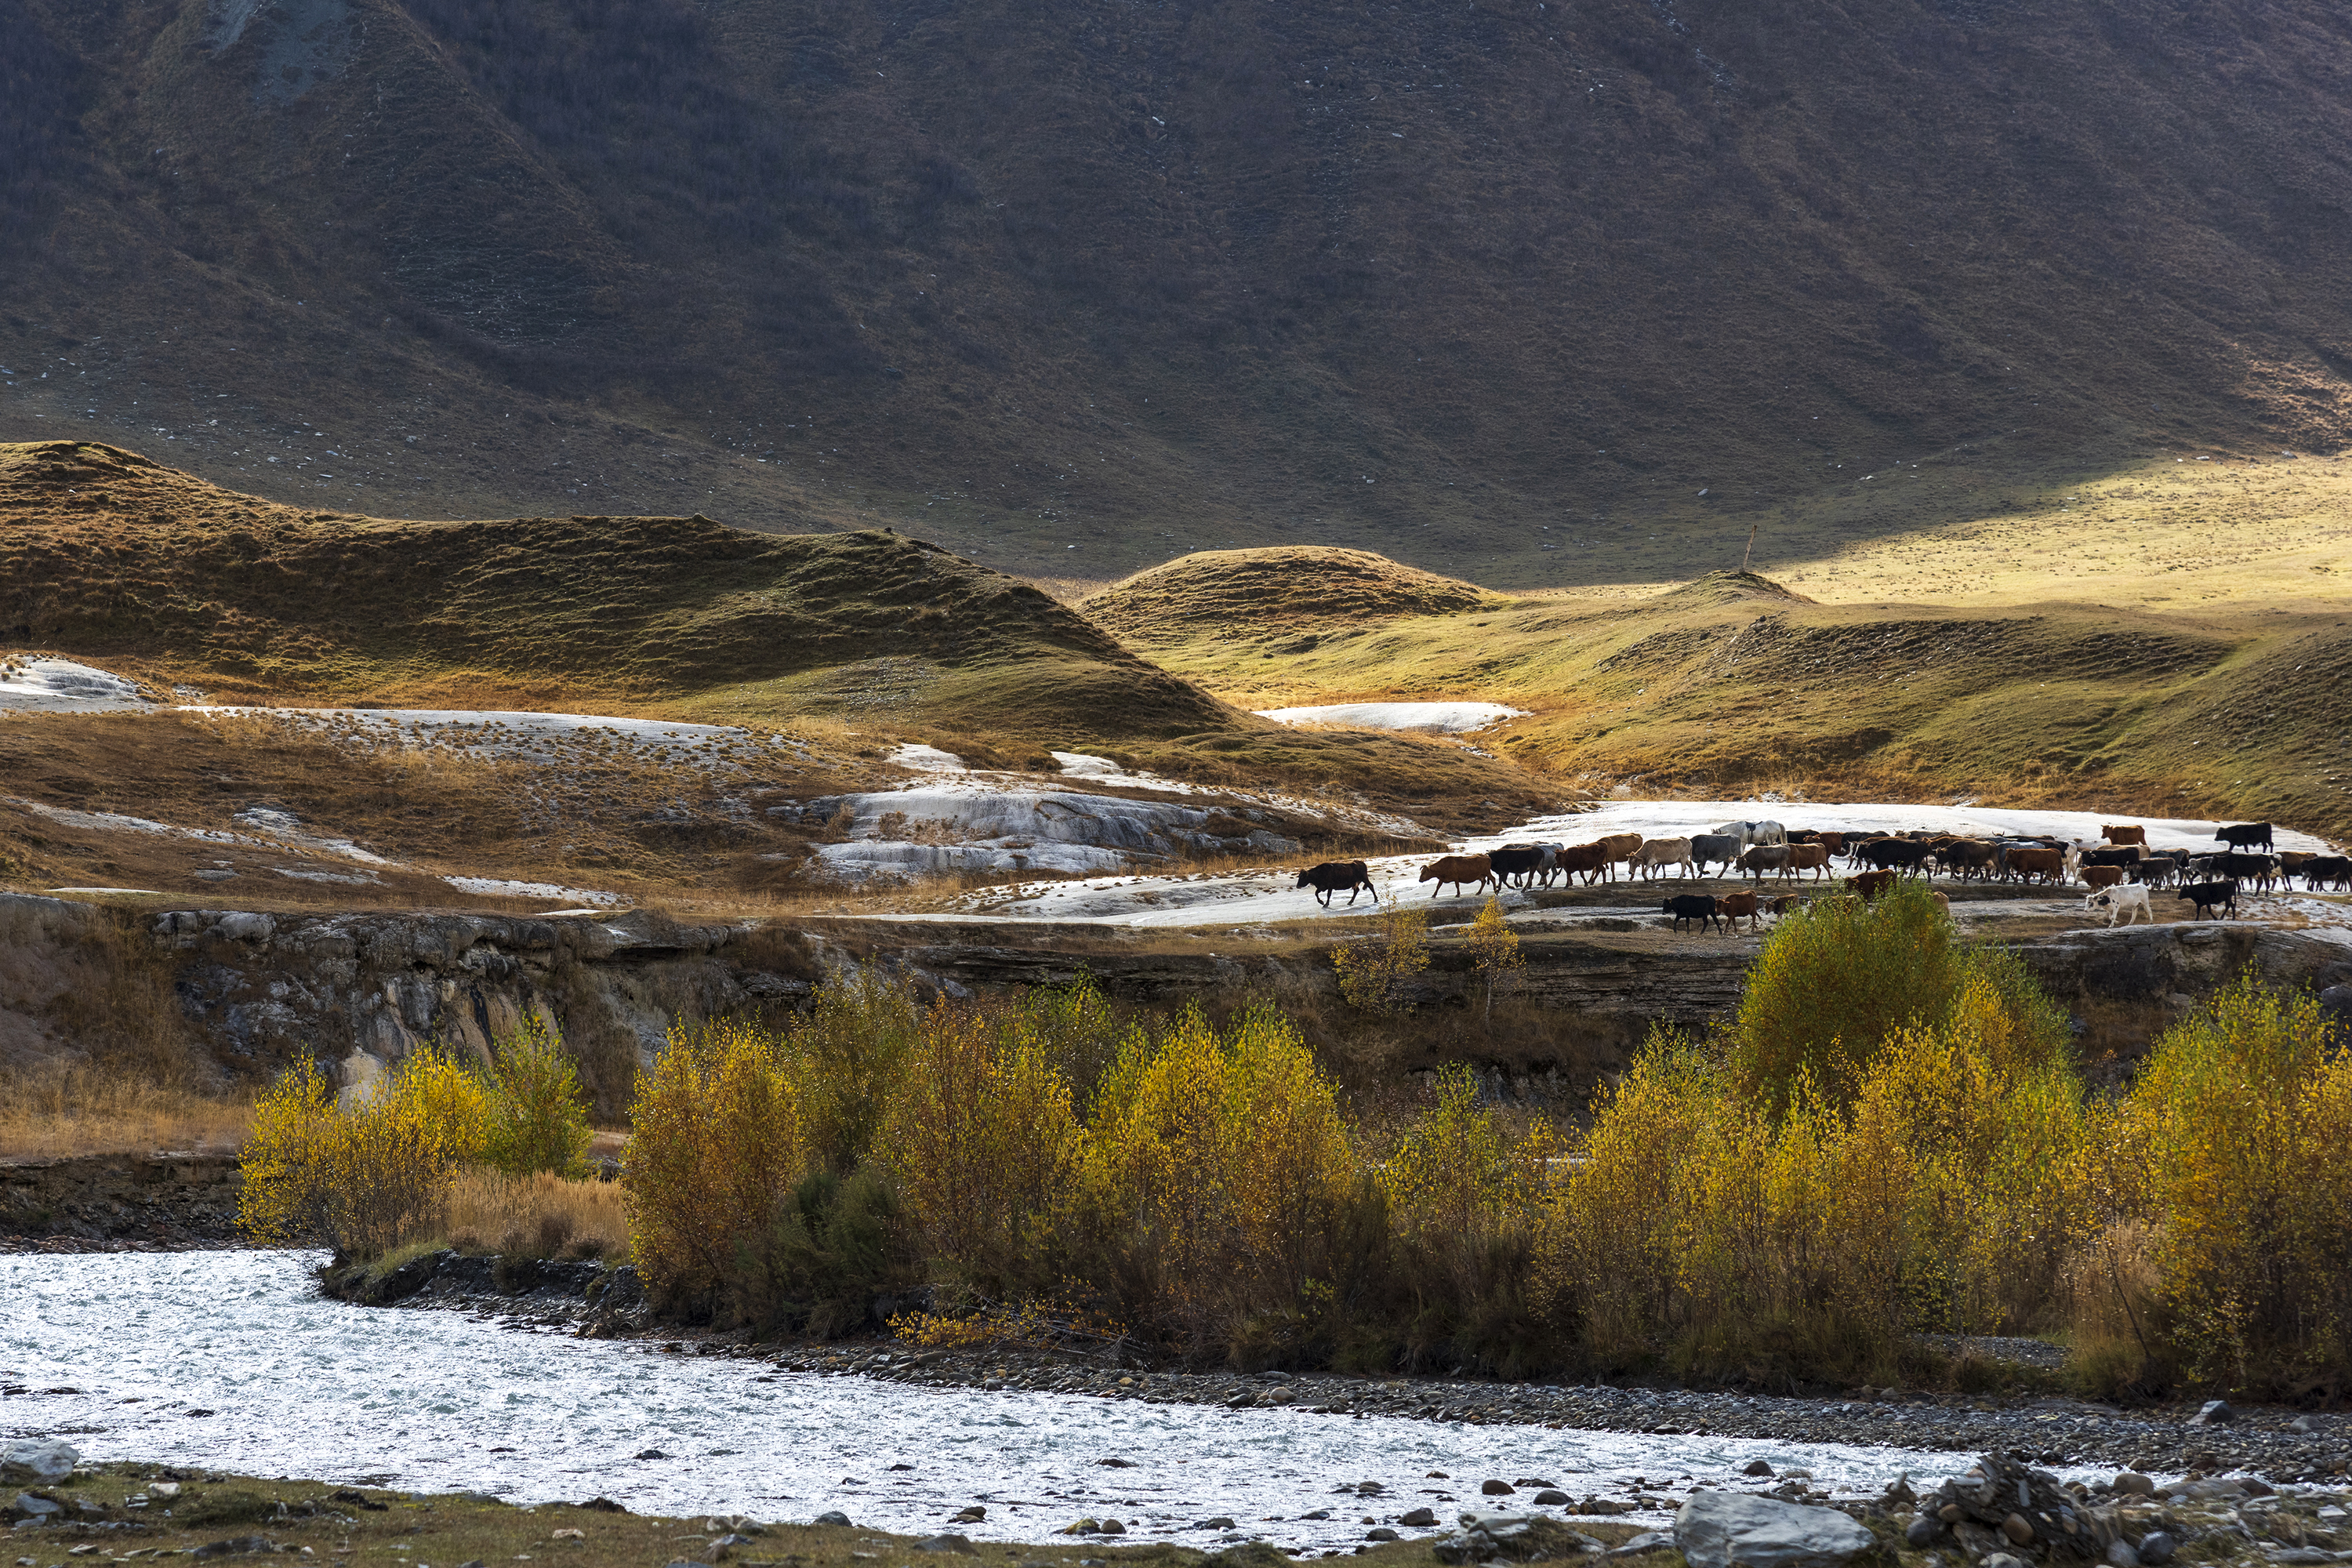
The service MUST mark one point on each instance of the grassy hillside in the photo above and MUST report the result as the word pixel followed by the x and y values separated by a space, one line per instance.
pixel 1735 682
pixel 107 555
pixel 1075 297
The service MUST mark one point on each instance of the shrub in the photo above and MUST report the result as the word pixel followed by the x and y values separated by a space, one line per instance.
pixel 717 1144
pixel 1373 973
pixel 2238 1156
pixel 1837 978
pixel 982 1139
pixel 370 1176
pixel 1466 1201
pixel 536 1116
pixel 843 1057
pixel 1494 947
pixel 1213 1169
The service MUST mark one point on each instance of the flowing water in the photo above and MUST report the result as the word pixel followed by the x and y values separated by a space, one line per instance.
pixel 231 1361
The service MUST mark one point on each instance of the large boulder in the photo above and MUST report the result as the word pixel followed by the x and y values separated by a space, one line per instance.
pixel 1732 1529
pixel 38 1459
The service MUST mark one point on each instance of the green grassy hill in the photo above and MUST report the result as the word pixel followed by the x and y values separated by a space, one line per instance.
pixel 1530 296
pixel 109 556
pixel 1734 683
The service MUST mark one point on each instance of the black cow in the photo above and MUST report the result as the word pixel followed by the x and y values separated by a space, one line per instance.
pixel 2245 832
pixel 1525 861
pixel 2259 869
pixel 1693 907
pixel 2206 895
pixel 1333 875
pixel 1908 854
pixel 2333 870
pixel 2161 867
pixel 2128 855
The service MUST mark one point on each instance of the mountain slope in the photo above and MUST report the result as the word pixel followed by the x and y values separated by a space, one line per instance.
pixel 1231 273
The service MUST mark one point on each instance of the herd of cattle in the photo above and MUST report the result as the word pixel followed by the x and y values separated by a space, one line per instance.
pixel 2118 871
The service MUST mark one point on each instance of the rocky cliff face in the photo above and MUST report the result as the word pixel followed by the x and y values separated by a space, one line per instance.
pixel 359 991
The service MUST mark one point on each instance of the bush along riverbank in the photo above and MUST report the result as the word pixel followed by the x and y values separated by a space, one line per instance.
pixel 1890 1140
pixel 1999 1512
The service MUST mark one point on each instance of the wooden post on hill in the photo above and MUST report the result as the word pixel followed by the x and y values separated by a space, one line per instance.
pixel 1751 547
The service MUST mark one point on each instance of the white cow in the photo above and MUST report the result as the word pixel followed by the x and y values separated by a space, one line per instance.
pixel 2126 897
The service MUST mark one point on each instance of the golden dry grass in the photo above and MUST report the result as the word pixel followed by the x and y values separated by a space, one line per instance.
pixel 541 1215
pixel 63 1111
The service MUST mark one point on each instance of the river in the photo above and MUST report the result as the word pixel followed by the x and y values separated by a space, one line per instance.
pixel 231 1361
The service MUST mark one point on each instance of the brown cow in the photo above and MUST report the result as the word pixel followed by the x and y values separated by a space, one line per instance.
pixel 2293 861
pixel 1870 884
pixel 1738 907
pixel 1813 857
pixel 2123 835
pixel 1787 904
pixel 1836 843
pixel 1458 870
pixel 2097 877
pixel 1589 858
pixel 1621 847
pixel 2036 865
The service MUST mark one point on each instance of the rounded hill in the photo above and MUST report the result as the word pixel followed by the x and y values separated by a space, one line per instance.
pixel 1285 588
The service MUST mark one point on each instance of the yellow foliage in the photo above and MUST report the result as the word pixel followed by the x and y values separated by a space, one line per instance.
pixel 1373 973
pixel 370 1176
pixel 717 1145
pixel 1495 948
pixel 980 1134
pixel 2238 1128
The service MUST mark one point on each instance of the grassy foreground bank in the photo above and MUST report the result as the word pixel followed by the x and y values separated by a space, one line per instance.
pixel 221 1514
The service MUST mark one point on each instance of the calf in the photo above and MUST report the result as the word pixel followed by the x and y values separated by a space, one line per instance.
pixel 2211 895
pixel 2130 854
pixel 1457 871
pixel 2097 877
pixel 1520 860
pixel 1692 907
pixel 1736 907
pixel 2244 835
pixel 1786 904
pixel 1660 852
pixel 2118 834
pixel 1870 884
pixel 1766 858
pixel 1333 875
pixel 1723 847
pixel 1813 857
pixel 2126 901
pixel 2161 867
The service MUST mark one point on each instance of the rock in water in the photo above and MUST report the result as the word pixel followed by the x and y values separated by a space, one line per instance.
pixel 834 1517
pixel 43 1458
pixel 1716 1529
